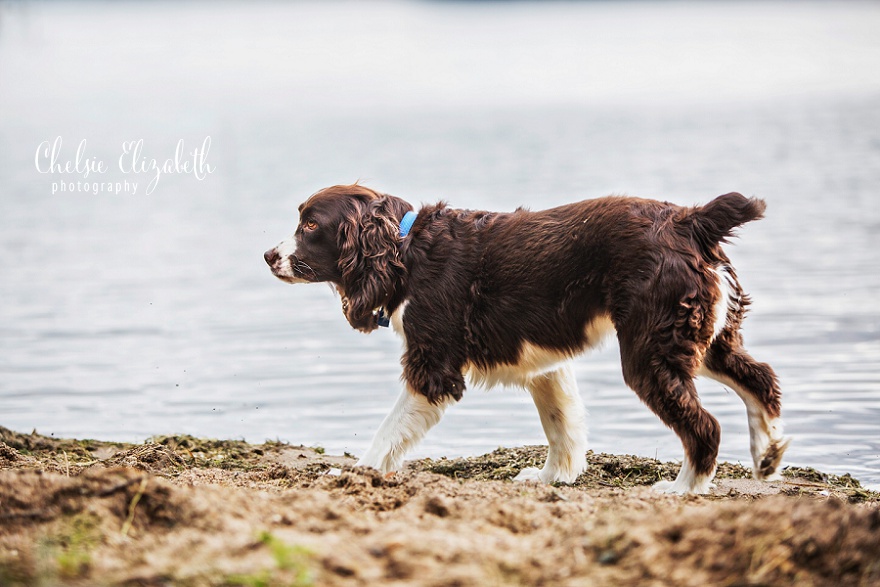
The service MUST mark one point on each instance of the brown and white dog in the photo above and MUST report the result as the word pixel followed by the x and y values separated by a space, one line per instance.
pixel 511 298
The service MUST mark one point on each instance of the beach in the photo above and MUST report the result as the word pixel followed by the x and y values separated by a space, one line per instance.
pixel 177 510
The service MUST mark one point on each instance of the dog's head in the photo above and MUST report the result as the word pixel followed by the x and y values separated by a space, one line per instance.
pixel 347 236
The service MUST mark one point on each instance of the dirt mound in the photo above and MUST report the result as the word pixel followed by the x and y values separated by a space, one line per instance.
pixel 603 470
pixel 34 496
pixel 775 541
pixel 9 457
pixel 280 515
pixel 152 457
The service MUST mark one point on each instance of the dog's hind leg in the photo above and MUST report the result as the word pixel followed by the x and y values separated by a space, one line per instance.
pixel 756 384
pixel 410 419
pixel 563 417
pixel 664 382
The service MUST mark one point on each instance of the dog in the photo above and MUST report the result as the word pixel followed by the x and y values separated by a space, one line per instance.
pixel 511 298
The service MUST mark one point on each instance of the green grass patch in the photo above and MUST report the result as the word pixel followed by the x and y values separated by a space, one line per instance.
pixel 292 566
pixel 65 552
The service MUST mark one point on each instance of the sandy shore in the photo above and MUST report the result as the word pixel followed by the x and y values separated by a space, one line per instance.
pixel 184 511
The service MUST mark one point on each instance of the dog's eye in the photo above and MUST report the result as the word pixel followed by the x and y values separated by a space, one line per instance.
pixel 310 225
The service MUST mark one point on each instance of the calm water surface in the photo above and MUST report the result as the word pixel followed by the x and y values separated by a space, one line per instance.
pixel 128 315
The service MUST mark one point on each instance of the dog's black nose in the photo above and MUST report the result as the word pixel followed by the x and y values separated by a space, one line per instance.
pixel 271 256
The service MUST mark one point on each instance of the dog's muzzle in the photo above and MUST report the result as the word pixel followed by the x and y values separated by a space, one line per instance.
pixel 287 267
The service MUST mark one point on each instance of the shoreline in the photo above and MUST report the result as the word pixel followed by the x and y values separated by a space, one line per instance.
pixel 186 511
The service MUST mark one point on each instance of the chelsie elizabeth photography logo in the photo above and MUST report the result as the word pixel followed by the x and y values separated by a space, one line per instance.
pixel 140 171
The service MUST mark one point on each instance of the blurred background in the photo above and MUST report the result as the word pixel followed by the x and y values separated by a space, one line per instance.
pixel 128 315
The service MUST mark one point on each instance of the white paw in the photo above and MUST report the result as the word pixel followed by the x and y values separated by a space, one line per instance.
pixel 664 487
pixel 529 474
pixel 377 464
pixel 767 468
pixel 545 475
pixel 678 488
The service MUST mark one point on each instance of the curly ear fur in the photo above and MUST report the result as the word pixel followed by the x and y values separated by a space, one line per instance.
pixel 369 259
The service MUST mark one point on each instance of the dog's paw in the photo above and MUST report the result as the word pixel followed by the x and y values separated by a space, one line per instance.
pixel 376 464
pixel 678 488
pixel 529 474
pixel 664 487
pixel 545 475
pixel 768 468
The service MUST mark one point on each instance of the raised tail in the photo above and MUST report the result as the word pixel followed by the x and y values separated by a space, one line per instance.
pixel 714 223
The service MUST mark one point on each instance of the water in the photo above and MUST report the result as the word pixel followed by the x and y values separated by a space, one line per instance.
pixel 128 315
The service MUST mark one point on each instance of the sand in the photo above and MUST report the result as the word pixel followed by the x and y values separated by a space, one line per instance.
pixel 185 511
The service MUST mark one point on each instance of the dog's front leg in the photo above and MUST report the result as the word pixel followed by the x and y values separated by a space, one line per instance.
pixel 563 417
pixel 410 419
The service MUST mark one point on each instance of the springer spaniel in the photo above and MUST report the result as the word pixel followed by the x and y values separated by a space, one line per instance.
pixel 512 298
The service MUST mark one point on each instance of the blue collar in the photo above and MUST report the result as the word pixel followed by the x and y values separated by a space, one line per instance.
pixel 406 223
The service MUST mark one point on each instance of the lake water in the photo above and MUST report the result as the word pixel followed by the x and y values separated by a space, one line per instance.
pixel 133 314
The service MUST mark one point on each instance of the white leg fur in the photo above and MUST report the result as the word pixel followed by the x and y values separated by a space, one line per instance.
pixel 563 417
pixel 766 439
pixel 410 419
pixel 688 481
pixel 727 299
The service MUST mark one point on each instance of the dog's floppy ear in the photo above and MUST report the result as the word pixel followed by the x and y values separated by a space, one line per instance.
pixel 369 258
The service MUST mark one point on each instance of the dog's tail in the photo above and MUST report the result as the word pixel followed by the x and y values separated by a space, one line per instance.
pixel 715 222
